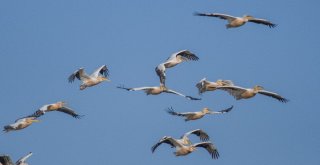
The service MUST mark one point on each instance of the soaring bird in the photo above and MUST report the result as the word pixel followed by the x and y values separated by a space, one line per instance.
pixel 204 85
pixel 58 106
pixel 246 93
pixel 182 149
pixel 184 139
pixel 158 90
pixel 234 22
pixel 22 161
pixel 173 60
pixel 98 76
pixel 20 123
pixel 197 115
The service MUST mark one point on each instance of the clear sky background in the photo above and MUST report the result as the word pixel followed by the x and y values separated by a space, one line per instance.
pixel 42 42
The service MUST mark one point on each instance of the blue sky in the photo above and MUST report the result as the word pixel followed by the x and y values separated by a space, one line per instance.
pixel 42 42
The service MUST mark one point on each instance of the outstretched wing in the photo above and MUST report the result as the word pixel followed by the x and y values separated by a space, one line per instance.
pixel 210 148
pixel 201 86
pixel 79 74
pixel 161 72
pixel 235 91
pixel 172 112
pixel 22 160
pixel 218 15
pixel 274 95
pixel 103 70
pixel 187 55
pixel 168 140
pixel 223 111
pixel 69 111
pixel 203 135
pixel 262 21
pixel 177 93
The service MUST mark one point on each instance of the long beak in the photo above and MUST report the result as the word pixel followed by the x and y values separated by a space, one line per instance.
pixel 35 120
pixel 108 80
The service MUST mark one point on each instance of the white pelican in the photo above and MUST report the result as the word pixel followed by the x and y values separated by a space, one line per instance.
pixel 22 161
pixel 98 76
pixel 238 21
pixel 182 149
pixel 204 85
pixel 157 90
pixel 173 60
pixel 246 93
pixel 184 139
pixel 58 106
pixel 20 123
pixel 197 115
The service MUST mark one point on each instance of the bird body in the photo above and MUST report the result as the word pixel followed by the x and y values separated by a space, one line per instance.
pixel 58 106
pixel 234 22
pixel 183 149
pixel 20 124
pixel 156 90
pixel 197 115
pixel 173 60
pixel 98 76
pixel 204 85
pixel 246 93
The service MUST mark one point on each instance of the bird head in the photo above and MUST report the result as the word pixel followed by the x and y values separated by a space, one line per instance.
pixel 206 110
pixel 257 88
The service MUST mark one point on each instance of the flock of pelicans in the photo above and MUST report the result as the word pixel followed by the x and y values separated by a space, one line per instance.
pixel 183 145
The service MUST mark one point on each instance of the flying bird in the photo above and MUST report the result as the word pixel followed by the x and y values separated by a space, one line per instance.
pixel 197 115
pixel 204 85
pixel 58 106
pixel 21 123
pixel 182 149
pixel 22 161
pixel 173 60
pixel 98 76
pixel 184 139
pixel 234 22
pixel 157 90
pixel 246 93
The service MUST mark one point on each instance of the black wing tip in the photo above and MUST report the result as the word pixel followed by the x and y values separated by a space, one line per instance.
pixel 198 14
pixel 272 25
pixel 283 100
pixel 192 98
pixel 215 154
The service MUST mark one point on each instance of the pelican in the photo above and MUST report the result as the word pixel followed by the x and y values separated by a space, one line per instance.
pixel 204 85
pixel 22 161
pixel 184 139
pixel 58 106
pixel 182 149
pixel 157 90
pixel 20 123
pixel 98 76
pixel 173 60
pixel 238 21
pixel 197 115
pixel 246 93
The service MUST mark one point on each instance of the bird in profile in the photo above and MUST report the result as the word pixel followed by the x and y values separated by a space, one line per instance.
pixel 183 149
pixel 58 106
pixel 204 85
pixel 22 161
pixel 21 123
pixel 234 22
pixel 173 60
pixel 155 90
pixel 197 115
pixel 98 76
pixel 184 139
pixel 246 93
